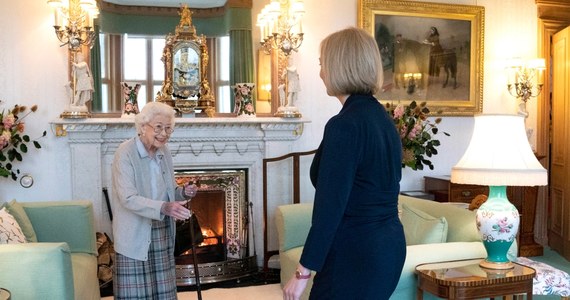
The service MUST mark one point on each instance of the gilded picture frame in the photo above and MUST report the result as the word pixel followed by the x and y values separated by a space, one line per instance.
pixel 431 52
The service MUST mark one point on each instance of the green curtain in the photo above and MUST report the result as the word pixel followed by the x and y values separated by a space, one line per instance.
pixel 241 48
pixel 97 101
pixel 241 59
pixel 162 25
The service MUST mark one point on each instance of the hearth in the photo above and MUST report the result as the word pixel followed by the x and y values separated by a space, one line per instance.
pixel 221 208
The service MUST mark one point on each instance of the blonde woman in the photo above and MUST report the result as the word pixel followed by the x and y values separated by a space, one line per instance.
pixel 356 243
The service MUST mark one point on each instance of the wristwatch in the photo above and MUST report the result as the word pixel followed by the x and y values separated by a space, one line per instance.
pixel 300 275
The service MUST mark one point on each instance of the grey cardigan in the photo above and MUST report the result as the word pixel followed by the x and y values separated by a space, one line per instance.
pixel 132 205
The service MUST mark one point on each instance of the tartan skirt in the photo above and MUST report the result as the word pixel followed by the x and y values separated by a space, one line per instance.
pixel 153 279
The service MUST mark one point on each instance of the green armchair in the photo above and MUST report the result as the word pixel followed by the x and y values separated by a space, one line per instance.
pixel 63 263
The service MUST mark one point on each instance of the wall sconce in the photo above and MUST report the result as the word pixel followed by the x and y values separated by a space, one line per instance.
pixel 522 76
pixel 76 17
pixel 280 25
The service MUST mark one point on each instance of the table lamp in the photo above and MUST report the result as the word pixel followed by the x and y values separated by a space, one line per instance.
pixel 498 155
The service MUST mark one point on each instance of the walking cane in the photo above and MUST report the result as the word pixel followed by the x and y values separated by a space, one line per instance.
pixel 195 259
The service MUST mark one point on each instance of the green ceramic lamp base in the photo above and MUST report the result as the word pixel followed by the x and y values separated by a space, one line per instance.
pixel 498 223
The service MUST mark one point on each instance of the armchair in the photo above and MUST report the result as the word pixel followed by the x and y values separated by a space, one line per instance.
pixel 63 263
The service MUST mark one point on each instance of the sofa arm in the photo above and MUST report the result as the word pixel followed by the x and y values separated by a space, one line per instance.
pixel 64 221
pixel 47 274
pixel 293 222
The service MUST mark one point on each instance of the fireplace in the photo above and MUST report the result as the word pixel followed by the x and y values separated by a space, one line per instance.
pixel 222 210
pixel 88 147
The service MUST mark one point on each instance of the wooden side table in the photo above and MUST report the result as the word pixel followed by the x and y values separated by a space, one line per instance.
pixel 465 279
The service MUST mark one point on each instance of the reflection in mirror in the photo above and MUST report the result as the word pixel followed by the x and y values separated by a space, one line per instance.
pixel 131 43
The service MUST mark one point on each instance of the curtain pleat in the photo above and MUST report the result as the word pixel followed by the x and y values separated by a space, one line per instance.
pixel 241 59
pixel 97 102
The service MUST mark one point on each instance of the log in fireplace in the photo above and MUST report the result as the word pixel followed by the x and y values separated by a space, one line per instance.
pixel 222 210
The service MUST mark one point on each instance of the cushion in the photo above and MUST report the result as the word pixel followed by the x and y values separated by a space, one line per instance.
pixel 17 210
pixel 421 228
pixel 460 222
pixel 10 231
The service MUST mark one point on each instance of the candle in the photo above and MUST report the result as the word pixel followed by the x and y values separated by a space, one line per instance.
pixel 540 76
pixel 56 17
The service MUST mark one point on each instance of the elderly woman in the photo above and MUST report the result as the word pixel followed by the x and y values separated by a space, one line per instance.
pixel 145 208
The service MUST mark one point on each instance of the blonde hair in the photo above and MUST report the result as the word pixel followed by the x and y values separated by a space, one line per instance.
pixel 351 63
pixel 150 111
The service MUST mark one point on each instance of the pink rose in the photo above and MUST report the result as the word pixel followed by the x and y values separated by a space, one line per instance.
pixel 9 121
pixel 4 139
pixel 249 107
pixel 398 111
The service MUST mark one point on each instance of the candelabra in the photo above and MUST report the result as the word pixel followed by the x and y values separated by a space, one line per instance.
pixel 522 77
pixel 280 26
pixel 78 30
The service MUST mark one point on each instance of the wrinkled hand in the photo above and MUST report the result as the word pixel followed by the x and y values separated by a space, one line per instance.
pixel 176 210
pixel 190 190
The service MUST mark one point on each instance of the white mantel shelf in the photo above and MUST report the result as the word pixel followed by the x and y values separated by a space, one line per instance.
pixel 196 144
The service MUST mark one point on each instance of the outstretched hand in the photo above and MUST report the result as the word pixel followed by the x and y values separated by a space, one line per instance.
pixel 176 210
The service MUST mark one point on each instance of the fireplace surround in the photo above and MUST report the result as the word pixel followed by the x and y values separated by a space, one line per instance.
pixel 222 210
pixel 196 144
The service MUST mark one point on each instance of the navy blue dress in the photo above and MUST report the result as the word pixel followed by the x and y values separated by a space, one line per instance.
pixel 356 242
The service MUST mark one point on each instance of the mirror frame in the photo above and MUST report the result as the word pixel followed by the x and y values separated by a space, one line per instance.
pixel 185 37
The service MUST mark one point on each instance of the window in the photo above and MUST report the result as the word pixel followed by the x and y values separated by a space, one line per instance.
pixel 223 74
pixel 137 59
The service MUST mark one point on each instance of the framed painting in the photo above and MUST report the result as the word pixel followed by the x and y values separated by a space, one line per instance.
pixel 431 52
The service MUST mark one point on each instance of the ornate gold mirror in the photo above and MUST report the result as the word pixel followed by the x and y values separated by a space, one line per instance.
pixel 185 58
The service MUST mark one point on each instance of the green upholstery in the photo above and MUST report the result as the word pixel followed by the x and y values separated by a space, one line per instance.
pixel 422 228
pixel 463 241
pixel 461 220
pixel 63 263
pixel 78 223
pixel 293 233
pixel 41 271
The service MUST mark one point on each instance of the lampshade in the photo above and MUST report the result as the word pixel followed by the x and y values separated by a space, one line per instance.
pixel 499 154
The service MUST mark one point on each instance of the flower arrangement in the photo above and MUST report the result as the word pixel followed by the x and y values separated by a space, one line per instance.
pixel 417 133
pixel 13 141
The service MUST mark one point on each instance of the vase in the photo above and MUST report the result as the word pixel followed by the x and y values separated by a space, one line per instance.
pixel 130 95
pixel 498 223
pixel 244 106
